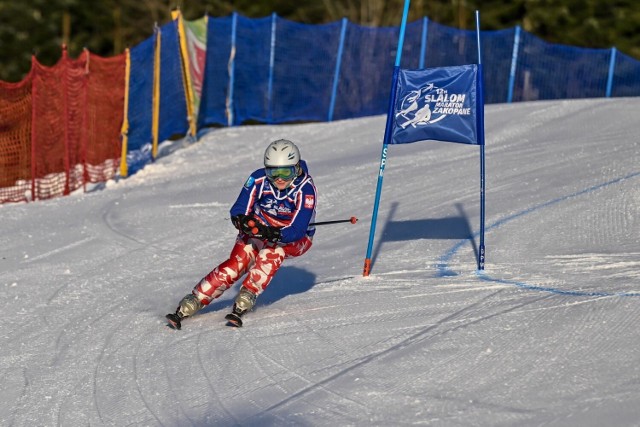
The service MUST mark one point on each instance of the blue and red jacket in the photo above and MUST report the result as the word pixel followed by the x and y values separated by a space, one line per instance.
pixel 291 209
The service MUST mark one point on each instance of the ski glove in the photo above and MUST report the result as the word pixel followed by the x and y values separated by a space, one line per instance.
pixel 254 228
pixel 243 223
pixel 265 232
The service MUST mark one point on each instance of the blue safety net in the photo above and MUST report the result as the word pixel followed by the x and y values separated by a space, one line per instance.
pixel 140 94
pixel 626 79
pixel 272 70
pixel 215 85
pixel 304 66
pixel 173 117
pixel 552 71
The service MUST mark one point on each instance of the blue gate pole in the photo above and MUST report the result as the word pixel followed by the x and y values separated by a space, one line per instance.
pixel 612 69
pixel 514 61
pixel 387 137
pixel 481 255
pixel 336 74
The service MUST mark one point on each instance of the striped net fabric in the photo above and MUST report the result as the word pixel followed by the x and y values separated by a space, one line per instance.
pixel 15 140
pixel 104 116
pixel 58 93
pixel 60 127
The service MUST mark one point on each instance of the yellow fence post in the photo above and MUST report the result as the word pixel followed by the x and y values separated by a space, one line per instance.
pixel 124 131
pixel 186 72
pixel 155 120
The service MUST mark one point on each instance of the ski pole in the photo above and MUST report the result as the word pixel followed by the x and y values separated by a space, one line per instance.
pixel 352 220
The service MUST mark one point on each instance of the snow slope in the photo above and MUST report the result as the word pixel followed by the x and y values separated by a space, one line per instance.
pixel 546 335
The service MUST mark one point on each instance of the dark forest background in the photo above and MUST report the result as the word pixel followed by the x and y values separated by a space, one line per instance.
pixel 107 27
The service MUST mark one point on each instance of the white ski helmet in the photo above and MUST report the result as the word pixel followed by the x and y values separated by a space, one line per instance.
pixel 281 153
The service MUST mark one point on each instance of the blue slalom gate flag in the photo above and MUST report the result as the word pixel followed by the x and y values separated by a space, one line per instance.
pixel 442 104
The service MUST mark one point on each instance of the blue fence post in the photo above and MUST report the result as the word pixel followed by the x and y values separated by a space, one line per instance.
pixel 336 75
pixel 423 42
pixel 272 58
pixel 231 68
pixel 514 61
pixel 612 69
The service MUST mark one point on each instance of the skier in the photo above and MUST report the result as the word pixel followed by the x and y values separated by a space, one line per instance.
pixel 272 214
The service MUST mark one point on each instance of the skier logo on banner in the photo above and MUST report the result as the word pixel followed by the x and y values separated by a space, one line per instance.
pixel 425 98
pixel 430 105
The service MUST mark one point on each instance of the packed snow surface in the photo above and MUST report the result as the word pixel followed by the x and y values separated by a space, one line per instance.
pixel 547 334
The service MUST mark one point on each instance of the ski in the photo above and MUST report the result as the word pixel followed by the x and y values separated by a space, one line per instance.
pixel 174 321
pixel 234 320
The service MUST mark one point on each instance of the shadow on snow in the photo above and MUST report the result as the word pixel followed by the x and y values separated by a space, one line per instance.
pixel 453 228
pixel 287 281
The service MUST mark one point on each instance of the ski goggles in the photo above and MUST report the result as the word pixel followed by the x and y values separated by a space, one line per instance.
pixel 286 173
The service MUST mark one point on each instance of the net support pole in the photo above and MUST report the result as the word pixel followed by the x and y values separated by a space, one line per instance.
pixel 336 73
pixel 387 138
pixel 124 131
pixel 155 106
pixel 231 68
pixel 481 254
pixel 272 60
pixel 423 41
pixel 612 69
pixel 514 62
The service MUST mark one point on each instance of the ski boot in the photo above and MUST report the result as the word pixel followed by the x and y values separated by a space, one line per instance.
pixel 189 305
pixel 244 302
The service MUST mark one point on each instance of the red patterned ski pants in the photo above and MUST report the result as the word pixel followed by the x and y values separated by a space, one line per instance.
pixel 258 258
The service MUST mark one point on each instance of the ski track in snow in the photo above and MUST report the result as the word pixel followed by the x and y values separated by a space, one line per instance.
pixel 445 271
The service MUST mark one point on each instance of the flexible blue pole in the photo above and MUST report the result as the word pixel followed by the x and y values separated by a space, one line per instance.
pixel 482 252
pixel 612 68
pixel 272 58
pixel 423 44
pixel 336 74
pixel 387 137
pixel 514 61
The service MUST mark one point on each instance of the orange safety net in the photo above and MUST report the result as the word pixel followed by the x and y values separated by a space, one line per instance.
pixel 15 140
pixel 105 114
pixel 60 128
pixel 58 98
